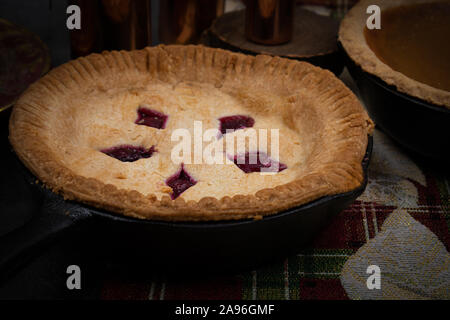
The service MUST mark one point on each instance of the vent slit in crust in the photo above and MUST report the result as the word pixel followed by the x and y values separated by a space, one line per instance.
pixel 257 162
pixel 236 122
pixel 151 118
pixel 180 182
pixel 129 153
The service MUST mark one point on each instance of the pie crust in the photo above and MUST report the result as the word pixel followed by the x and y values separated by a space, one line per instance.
pixel 62 122
pixel 351 36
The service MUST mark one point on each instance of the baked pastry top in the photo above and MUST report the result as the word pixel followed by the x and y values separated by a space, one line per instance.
pixel 105 130
pixel 411 50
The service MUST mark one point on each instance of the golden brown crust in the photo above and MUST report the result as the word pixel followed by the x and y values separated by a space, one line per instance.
pixel 333 165
pixel 351 35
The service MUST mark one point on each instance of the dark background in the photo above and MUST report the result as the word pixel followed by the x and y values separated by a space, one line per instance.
pixel 47 18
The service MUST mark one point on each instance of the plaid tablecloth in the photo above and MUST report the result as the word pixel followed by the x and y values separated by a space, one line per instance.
pixel 396 180
pixel 313 273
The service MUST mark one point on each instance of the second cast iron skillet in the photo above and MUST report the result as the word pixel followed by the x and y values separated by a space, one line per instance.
pixel 174 246
pixel 419 126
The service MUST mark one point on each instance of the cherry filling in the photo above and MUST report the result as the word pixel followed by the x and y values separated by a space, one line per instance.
pixel 151 118
pixel 257 162
pixel 233 123
pixel 128 153
pixel 180 182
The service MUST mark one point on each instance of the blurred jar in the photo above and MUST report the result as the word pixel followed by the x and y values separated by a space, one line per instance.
pixel 269 22
pixel 183 21
pixel 111 25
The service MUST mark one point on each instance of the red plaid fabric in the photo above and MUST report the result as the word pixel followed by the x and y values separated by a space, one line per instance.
pixel 314 272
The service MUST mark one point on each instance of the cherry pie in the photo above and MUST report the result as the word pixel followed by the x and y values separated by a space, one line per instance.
pixel 102 130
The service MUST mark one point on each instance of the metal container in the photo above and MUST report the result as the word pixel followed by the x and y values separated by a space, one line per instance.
pixel 112 25
pixel 269 22
pixel 183 21
pixel 127 24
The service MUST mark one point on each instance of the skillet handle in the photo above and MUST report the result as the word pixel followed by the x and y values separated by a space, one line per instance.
pixel 55 218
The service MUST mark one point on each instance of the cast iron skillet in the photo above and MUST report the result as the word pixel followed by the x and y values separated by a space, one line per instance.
pixel 418 125
pixel 174 246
